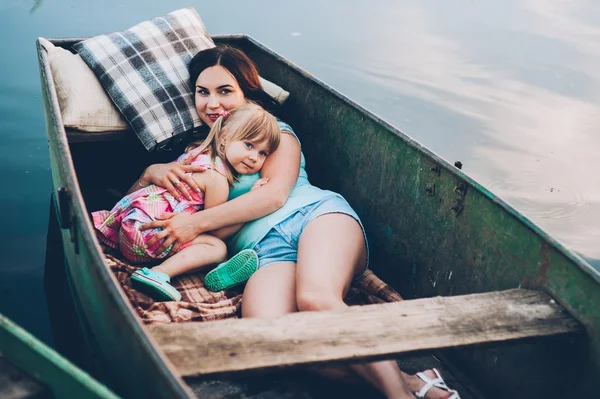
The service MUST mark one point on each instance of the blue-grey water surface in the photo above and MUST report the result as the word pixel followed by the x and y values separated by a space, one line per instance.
pixel 510 88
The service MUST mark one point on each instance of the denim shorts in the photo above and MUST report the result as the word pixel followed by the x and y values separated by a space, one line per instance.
pixel 281 242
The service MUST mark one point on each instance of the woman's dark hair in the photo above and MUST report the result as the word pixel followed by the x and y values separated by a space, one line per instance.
pixel 240 66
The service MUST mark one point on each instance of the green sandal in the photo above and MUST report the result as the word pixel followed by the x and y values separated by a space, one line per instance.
pixel 155 284
pixel 236 270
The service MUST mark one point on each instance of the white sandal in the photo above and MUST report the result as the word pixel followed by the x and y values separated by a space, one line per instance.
pixel 435 383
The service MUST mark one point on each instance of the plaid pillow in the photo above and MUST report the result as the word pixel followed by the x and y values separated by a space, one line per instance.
pixel 144 71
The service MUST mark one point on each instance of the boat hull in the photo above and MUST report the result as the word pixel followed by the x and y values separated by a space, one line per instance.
pixel 29 368
pixel 432 230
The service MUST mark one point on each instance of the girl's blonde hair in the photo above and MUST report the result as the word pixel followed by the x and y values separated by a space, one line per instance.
pixel 248 122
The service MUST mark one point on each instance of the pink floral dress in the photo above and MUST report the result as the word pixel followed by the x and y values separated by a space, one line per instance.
pixel 120 228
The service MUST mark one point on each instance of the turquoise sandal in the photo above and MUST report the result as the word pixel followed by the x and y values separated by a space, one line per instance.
pixel 236 270
pixel 155 284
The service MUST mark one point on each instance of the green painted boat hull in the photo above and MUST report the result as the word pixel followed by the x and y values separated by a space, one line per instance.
pixel 432 231
pixel 58 377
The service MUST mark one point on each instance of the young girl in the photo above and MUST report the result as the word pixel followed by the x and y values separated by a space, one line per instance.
pixel 238 144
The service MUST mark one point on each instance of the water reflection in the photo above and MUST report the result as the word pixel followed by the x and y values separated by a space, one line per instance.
pixel 524 113
pixel 510 88
pixel 575 22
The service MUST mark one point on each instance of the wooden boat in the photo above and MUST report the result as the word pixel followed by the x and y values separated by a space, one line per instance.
pixel 509 310
pixel 31 369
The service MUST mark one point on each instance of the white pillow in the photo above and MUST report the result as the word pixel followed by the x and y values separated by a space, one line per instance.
pixel 274 91
pixel 83 102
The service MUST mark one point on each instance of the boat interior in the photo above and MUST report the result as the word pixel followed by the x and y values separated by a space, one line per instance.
pixel 489 336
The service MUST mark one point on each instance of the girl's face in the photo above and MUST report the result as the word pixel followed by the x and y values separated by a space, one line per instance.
pixel 247 157
pixel 216 91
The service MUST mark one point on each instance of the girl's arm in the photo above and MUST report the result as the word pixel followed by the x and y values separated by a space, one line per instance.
pixel 215 187
pixel 225 232
pixel 281 168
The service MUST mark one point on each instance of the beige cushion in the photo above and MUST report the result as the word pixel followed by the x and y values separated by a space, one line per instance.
pixel 274 91
pixel 83 102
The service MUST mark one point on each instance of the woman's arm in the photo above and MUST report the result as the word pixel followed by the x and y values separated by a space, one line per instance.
pixel 281 168
pixel 225 232
pixel 169 176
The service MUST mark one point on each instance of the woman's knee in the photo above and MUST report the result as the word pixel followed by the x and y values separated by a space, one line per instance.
pixel 314 300
pixel 265 310
pixel 276 301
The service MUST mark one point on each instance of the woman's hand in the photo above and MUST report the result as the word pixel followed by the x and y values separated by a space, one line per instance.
pixel 170 177
pixel 177 229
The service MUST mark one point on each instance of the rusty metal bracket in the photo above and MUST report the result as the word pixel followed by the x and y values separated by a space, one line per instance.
pixel 63 208
pixel 66 219
pixel 459 202
pixel 430 189
pixel 74 231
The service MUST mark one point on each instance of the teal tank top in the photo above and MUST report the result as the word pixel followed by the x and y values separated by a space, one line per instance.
pixel 302 194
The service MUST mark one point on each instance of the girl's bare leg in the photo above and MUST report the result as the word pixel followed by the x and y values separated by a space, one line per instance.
pixel 203 251
pixel 331 251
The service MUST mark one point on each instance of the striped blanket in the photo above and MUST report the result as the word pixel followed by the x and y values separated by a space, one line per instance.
pixel 200 304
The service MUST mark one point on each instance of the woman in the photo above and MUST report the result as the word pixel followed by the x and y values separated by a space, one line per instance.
pixel 312 244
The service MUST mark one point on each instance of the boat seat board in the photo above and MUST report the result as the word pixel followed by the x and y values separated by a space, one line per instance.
pixel 361 332
pixel 76 136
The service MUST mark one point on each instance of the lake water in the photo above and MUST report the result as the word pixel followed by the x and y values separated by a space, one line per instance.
pixel 511 89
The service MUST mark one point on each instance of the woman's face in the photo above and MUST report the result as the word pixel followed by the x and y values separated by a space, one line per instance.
pixel 216 91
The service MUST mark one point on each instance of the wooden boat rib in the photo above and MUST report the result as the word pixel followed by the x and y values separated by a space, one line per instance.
pixel 433 231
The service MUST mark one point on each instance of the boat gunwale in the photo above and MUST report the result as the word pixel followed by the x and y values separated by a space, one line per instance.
pixel 45 363
pixel 89 241
pixel 415 144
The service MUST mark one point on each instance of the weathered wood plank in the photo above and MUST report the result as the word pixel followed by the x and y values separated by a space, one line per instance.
pixel 77 136
pixel 361 332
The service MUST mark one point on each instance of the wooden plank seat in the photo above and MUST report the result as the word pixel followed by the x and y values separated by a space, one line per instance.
pixel 77 136
pixel 361 332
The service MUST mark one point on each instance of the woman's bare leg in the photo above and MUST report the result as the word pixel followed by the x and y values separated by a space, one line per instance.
pixel 271 291
pixel 203 251
pixel 415 384
pixel 331 251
